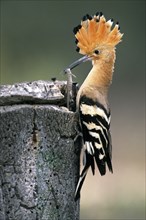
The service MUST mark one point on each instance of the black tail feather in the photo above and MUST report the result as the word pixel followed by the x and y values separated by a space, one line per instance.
pixel 88 161
pixel 100 163
pixel 80 182
pixel 109 164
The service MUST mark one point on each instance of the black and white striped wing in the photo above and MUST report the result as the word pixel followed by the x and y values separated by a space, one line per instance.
pixel 95 122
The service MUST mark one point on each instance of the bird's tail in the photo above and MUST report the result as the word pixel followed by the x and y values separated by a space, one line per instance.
pixel 90 157
pixel 88 161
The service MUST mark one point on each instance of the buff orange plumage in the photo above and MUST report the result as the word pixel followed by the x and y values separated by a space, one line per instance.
pixel 95 32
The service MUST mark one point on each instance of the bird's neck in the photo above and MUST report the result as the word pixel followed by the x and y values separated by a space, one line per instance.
pixel 101 73
pixel 97 82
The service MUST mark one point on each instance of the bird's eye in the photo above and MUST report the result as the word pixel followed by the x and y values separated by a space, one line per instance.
pixel 96 52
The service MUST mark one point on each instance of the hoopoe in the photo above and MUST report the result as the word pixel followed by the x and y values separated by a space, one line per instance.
pixel 96 39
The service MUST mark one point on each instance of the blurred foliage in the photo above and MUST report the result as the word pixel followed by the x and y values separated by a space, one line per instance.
pixel 37 43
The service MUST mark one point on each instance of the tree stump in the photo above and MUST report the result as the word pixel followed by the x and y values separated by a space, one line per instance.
pixel 39 159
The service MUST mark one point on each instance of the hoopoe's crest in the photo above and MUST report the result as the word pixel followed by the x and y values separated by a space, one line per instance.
pixel 95 32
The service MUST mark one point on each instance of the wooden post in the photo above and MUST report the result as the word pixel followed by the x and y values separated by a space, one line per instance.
pixel 39 160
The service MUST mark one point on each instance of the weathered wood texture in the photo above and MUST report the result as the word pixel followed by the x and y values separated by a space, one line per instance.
pixel 39 162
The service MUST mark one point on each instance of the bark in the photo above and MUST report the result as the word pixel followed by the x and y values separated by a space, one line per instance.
pixel 39 159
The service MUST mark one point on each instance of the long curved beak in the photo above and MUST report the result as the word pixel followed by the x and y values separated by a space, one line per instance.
pixel 77 62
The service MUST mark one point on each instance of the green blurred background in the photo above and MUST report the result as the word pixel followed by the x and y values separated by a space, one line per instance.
pixel 37 43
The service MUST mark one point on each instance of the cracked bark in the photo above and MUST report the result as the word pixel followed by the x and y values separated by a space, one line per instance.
pixel 39 160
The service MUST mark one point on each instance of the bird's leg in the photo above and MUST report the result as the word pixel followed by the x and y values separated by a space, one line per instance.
pixel 69 86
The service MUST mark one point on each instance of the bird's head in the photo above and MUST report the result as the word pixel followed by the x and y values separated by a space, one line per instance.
pixel 95 38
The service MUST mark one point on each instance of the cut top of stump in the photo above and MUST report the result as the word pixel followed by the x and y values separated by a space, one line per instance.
pixel 36 92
